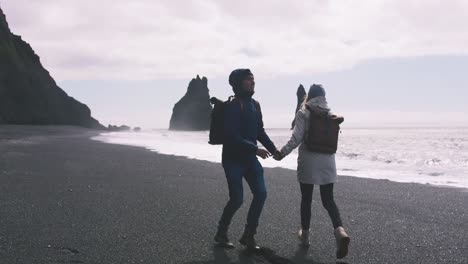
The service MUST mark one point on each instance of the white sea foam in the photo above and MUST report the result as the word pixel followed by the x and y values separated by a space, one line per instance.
pixel 434 156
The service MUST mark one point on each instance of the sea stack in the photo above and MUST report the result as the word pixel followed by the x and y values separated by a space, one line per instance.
pixel 301 93
pixel 28 94
pixel 192 112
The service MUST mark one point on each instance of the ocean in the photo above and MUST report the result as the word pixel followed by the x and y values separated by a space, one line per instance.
pixel 436 156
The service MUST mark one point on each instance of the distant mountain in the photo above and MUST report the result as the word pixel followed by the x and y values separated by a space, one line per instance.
pixel 301 93
pixel 193 110
pixel 28 94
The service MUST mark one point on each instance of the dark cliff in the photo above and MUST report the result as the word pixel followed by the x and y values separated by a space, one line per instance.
pixel 28 94
pixel 193 110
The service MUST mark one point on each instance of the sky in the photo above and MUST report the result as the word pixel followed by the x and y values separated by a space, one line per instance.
pixel 382 63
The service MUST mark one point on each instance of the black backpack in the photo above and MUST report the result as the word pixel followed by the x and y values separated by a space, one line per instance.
pixel 217 119
pixel 323 131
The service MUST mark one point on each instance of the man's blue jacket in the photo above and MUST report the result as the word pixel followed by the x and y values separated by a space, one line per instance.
pixel 243 126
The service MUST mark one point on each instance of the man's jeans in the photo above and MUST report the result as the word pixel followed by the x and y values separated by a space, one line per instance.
pixel 252 171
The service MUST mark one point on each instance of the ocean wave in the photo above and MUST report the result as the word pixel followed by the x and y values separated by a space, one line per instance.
pixel 399 155
pixel 350 155
pixel 433 162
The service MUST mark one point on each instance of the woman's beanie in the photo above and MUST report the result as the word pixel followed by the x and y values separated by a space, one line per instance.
pixel 236 77
pixel 315 90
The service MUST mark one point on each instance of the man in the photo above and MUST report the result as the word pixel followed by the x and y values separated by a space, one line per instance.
pixel 243 126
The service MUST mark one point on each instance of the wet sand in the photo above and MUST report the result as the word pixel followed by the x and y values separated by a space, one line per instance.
pixel 65 198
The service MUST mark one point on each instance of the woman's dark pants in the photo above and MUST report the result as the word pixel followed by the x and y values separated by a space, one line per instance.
pixel 326 194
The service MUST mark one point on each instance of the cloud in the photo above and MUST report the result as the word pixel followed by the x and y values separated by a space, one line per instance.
pixel 86 40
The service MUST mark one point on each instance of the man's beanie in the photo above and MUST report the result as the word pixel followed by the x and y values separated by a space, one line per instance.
pixel 315 90
pixel 237 76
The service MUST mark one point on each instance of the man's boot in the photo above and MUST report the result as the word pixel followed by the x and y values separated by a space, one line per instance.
pixel 342 242
pixel 248 239
pixel 222 239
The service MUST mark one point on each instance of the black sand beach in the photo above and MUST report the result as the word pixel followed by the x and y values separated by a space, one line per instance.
pixel 65 198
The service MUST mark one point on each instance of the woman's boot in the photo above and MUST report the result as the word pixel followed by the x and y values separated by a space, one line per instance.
pixel 304 237
pixel 342 242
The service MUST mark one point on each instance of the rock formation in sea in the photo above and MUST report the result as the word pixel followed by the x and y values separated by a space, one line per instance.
pixel 115 128
pixel 28 94
pixel 301 93
pixel 192 112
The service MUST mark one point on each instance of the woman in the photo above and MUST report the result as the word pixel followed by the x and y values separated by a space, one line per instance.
pixel 315 169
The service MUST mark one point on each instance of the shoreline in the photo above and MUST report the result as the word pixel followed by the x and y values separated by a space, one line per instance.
pixel 67 198
pixel 428 179
pixel 463 189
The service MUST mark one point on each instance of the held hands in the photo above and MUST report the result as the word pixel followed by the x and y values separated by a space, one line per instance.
pixel 278 155
pixel 263 153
